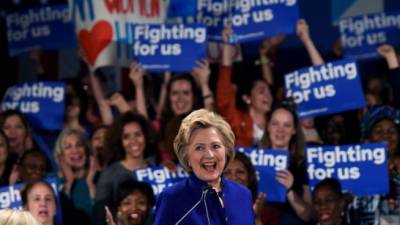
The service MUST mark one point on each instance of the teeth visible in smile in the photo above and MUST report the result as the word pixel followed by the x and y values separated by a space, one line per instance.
pixel 209 165
pixel 134 215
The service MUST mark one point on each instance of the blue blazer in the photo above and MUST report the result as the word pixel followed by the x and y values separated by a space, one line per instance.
pixel 174 202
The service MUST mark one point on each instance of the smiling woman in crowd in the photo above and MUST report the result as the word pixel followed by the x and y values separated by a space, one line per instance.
pixel 328 202
pixel 77 169
pixel 130 140
pixel 283 133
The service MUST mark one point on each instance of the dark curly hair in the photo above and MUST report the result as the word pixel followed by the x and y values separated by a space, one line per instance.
pixel 114 148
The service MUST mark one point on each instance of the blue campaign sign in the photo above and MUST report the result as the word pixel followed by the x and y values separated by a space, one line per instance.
pixel 325 89
pixel 361 35
pixel 160 177
pixel 261 21
pixel 361 169
pixel 266 163
pixel 250 20
pixel 42 102
pixel 164 47
pixel 10 197
pixel 46 27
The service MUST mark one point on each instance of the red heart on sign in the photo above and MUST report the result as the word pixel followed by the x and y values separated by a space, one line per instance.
pixel 93 42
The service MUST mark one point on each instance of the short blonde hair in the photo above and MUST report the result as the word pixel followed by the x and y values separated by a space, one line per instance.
pixel 17 217
pixel 202 119
pixel 59 145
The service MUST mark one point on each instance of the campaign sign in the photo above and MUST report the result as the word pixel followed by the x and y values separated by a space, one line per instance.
pixel 361 169
pixel 250 20
pixel 169 47
pixel 104 27
pixel 10 197
pixel 325 89
pixel 48 27
pixel 361 35
pixel 160 177
pixel 42 102
pixel 251 23
pixel 266 163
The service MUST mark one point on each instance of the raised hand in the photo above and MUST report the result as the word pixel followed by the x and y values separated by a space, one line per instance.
pixel 109 217
pixel 202 72
pixel 136 74
pixel 386 50
pixel 302 30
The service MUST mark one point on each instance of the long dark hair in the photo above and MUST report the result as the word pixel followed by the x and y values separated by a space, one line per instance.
pixel 297 142
pixel 167 114
pixel 114 148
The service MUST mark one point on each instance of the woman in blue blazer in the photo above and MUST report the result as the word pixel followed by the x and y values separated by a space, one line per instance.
pixel 204 146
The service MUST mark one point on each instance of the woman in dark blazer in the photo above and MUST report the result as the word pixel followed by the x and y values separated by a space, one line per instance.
pixel 205 146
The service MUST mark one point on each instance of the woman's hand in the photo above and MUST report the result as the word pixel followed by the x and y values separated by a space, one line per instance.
pixel 258 205
pixel 226 33
pixel 68 175
pixel 285 177
pixel 202 72
pixel 14 176
pixel 109 217
pixel 93 168
pixel 302 30
pixel 136 74
pixel 388 52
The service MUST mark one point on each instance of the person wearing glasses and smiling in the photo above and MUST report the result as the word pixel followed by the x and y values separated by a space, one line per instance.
pixel 205 146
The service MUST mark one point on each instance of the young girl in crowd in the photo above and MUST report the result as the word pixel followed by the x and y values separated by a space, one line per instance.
pixel 77 169
pixel 283 132
pixel 134 201
pixel 329 202
pixel 40 200
pixel 5 163
pixel 131 140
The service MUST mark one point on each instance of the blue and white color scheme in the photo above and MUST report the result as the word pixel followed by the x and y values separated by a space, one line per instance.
pixel 169 47
pixel 47 27
pixel 10 197
pixel 361 169
pixel 250 20
pixel 348 8
pixel 266 163
pixel 160 177
pixel 42 103
pixel 361 35
pixel 325 89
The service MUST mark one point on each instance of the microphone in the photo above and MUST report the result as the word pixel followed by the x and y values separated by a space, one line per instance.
pixel 205 189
